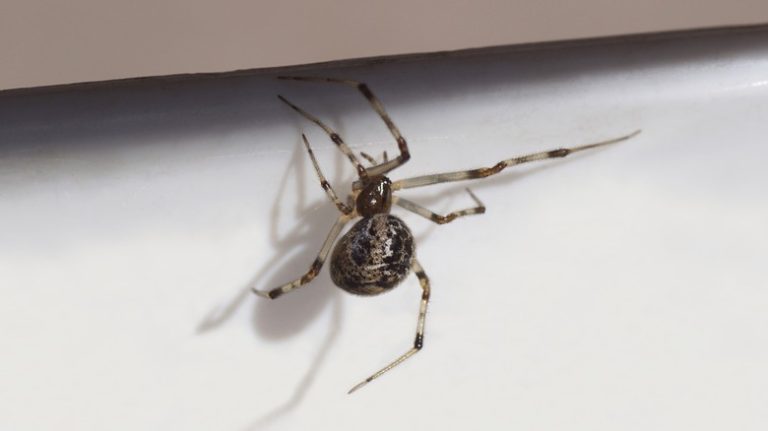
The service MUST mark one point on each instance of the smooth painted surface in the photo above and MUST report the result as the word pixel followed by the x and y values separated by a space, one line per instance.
pixel 621 289
pixel 54 42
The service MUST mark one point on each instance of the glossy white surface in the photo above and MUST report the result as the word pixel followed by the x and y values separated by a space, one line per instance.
pixel 620 289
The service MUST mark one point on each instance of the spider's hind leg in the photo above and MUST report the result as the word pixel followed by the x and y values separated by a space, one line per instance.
pixel 314 269
pixel 418 342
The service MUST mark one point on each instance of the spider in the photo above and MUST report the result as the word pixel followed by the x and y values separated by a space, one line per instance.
pixel 378 252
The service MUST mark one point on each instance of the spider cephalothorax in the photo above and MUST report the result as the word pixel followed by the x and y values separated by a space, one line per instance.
pixel 378 252
pixel 375 197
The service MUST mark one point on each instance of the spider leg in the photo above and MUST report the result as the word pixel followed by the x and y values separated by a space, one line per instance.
pixel 345 209
pixel 437 218
pixel 498 167
pixel 361 172
pixel 314 269
pixel 388 165
pixel 418 342
pixel 370 158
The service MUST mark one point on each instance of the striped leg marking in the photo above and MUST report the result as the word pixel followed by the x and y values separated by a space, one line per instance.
pixel 361 172
pixel 498 167
pixel 345 209
pixel 402 146
pixel 418 342
pixel 437 218
pixel 314 269
pixel 371 159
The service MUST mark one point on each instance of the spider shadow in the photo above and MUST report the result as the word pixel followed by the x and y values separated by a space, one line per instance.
pixel 308 379
pixel 275 320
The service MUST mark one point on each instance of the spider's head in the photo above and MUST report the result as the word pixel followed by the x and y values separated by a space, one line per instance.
pixel 375 197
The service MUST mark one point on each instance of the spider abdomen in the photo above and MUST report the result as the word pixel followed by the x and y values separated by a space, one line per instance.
pixel 374 256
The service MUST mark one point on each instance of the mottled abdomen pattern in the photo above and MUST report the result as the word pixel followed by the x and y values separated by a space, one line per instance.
pixel 374 256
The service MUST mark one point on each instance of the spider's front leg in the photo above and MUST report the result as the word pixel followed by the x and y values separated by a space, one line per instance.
pixel 343 208
pixel 377 106
pixel 340 144
pixel 473 174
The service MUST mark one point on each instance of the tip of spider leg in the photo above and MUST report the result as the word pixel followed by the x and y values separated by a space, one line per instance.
pixel 261 293
pixel 624 138
pixel 566 151
pixel 358 386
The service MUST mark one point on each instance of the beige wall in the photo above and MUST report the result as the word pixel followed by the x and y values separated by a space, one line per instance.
pixel 43 43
